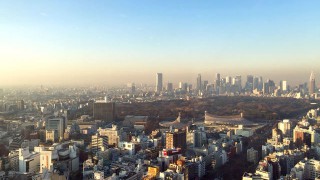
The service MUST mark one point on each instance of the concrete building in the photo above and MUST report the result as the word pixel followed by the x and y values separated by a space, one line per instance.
pixel 98 143
pixel 306 169
pixel 52 136
pixel 252 155
pixel 199 83
pixel 159 82
pixel 195 138
pixel 14 160
pixel 131 147
pixel 176 140
pixel 29 162
pixel 304 135
pixel 57 123
pixel 63 155
pixel 312 84
pixel 285 127
pixel 167 157
pixel 113 134
pixel 283 86
pixel 105 111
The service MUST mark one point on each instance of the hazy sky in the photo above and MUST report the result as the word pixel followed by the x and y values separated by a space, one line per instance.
pixel 120 41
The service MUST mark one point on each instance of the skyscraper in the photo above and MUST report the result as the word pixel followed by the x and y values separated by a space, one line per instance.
pixel 159 82
pixel 169 87
pixel 255 83
pixel 249 83
pixel 228 80
pixel 312 84
pixel 218 79
pixel 238 83
pixel 283 86
pixel 199 83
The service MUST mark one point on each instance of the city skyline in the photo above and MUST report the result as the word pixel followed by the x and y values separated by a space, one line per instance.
pixel 115 42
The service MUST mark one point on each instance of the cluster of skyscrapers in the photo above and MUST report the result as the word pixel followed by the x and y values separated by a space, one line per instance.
pixel 234 86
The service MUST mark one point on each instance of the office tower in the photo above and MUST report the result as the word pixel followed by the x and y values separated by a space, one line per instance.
pixel 205 83
pixel 260 84
pixel 283 86
pixel 249 83
pixel 185 86
pixel 170 87
pixel 180 85
pixel 104 111
pixel 228 80
pixel 312 85
pixel 199 83
pixel 189 86
pixel 272 86
pixel 56 124
pixel 255 84
pixel 131 88
pixel 176 140
pixel 159 82
pixel 237 82
pixel 265 88
pixel 218 80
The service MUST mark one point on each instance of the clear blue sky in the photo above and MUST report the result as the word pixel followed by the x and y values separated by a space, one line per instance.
pixel 122 41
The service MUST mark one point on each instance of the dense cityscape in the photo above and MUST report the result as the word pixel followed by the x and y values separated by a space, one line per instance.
pixel 95 132
pixel 159 90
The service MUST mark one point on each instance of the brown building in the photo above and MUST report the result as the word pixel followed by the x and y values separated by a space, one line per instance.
pixel 176 140
pixel 104 111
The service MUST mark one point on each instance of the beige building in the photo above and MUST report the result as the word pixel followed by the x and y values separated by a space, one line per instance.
pixel 112 133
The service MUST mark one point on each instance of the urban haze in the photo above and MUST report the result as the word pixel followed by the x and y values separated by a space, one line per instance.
pixel 159 90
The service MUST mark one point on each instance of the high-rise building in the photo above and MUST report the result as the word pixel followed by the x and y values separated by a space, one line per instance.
pixel 176 140
pixel 312 85
pixel 218 80
pixel 199 83
pixel 283 86
pixel 205 83
pixel 260 84
pixel 249 83
pixel 228 80
pixel 159 83
pixel 104 111
pixel 169 87
pixel 255 84
pixel 131 88
pixel 238 83
pixel 180 85
pixel 57 124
